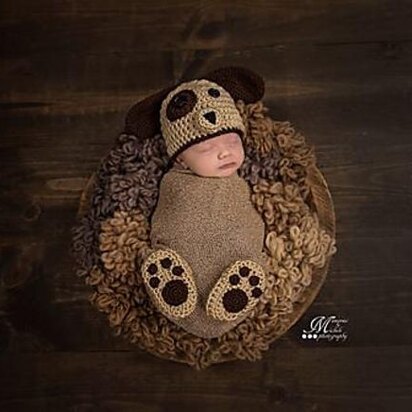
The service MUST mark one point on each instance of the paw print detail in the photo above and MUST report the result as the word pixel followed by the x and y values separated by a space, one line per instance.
pixel 169 281
pixel 166 263
pixel 244 271
pixel 237 291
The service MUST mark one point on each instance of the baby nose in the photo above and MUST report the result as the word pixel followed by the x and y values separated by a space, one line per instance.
pixel 224 150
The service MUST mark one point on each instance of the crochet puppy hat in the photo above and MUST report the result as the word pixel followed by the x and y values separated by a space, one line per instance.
pixel 196 110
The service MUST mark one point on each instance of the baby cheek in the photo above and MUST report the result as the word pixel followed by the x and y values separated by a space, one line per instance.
pixel 203 159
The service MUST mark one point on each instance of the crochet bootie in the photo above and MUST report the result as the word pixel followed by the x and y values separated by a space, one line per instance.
pixel 237 291
pixel 169 281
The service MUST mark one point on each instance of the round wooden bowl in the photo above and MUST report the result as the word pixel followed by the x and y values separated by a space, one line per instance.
pixel 320 201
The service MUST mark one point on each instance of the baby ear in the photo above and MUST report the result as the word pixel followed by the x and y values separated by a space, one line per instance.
pixel 143 118
pixel 241 83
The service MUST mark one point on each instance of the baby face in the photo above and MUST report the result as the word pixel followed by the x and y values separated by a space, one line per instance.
pixel 218 156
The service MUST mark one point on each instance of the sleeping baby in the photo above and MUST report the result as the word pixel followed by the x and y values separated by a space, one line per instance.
pixel 206 267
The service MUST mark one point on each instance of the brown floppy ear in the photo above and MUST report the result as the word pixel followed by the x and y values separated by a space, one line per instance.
pixel 241 83
pixel 143 118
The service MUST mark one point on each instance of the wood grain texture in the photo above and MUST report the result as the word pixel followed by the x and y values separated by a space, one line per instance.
pixel 291 378
pixel 340 72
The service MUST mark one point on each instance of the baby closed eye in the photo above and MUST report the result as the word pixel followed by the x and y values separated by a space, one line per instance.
pixel 204 149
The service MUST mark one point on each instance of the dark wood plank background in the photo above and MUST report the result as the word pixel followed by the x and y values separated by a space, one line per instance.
pixel 339 71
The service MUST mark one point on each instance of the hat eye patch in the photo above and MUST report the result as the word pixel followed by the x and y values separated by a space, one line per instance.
pixel 181 104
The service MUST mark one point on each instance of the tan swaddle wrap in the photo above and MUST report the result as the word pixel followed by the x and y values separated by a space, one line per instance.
pixel 211 223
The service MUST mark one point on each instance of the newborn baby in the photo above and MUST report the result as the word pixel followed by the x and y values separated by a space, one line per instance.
pixel 205 270
pixel 207 273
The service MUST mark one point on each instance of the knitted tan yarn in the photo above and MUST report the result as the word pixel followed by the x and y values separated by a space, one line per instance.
pixel 212 223
pixel 194 126
pixel 297 244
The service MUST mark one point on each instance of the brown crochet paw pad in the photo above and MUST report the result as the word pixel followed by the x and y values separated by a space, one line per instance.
pixel 237 291
pixel 168 278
